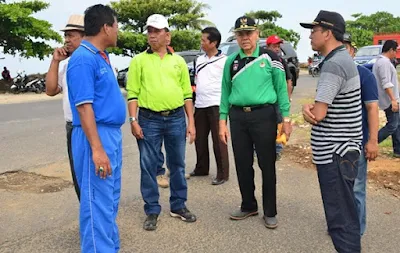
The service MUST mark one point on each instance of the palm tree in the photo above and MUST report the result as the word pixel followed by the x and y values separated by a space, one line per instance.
pixel 192 17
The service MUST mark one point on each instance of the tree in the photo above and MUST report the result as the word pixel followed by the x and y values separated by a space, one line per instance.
pixel 186 19
pixel 265 21
pixel 363 28
pixel 21 33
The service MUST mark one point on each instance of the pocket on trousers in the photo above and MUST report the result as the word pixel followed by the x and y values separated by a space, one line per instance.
pixel 348 165
pixel 145 114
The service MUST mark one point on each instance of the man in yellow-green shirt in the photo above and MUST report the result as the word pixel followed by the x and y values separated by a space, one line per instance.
pixel 159 85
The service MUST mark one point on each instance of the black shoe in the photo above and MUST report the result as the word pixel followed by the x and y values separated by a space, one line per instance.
pixel 194 174
pixel 271 222
pixel 184 214
pixel 150 223
pixel 217 181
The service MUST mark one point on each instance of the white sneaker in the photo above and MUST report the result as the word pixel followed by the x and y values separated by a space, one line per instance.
pixel 162 181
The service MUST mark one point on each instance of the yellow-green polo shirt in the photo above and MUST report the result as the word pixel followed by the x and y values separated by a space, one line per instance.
pixel 158 84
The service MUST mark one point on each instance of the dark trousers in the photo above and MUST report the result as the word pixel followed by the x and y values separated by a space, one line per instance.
pixel 68 127
pixel 336 182
pixel 255 129
pixel 206 120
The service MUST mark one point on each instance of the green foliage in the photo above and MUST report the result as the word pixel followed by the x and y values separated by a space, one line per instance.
pixel 266 23
pixel 186 19
pixel 22 33
pixel 185 40
pixel 363 27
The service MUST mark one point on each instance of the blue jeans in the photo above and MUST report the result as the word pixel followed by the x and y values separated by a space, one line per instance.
pixel 160 168
pixel 279 148
pixel 392 128
pixel 360 191
pixel 336 182
pixel 172 130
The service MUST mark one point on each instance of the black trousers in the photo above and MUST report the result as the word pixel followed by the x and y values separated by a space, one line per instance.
pixel 249 130
pixel 68 127
pixel 206 120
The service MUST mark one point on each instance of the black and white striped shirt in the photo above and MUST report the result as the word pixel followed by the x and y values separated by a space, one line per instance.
pixel 341 130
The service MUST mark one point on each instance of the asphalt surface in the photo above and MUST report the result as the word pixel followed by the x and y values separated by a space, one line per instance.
pixel 32 138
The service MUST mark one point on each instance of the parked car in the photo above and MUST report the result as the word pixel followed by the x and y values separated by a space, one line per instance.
pixel 122 76
pixel 190 59
pixel 368 54
pixel 288 54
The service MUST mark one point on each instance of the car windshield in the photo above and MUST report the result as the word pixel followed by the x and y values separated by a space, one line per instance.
pixel 368 51
pixel 229 48
pixel 189 58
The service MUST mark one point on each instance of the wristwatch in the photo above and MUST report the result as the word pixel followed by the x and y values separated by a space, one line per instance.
pixel 132 119
pixel 286 120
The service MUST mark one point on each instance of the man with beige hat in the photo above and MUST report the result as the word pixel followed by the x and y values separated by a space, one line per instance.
pixel 56 77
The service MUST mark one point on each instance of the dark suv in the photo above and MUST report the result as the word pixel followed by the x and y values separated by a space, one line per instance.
pixel 288 54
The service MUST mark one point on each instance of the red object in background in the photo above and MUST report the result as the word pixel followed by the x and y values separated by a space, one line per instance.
pixel 380 38
pixel 171 49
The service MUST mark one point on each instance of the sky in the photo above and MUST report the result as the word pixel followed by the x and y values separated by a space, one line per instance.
pixel 223 14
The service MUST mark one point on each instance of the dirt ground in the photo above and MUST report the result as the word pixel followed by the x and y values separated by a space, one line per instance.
pixel 8 98
pixel 384 172
pixel 32 182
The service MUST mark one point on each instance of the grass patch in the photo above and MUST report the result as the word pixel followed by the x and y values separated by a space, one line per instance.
pixel 306 101
pixel 386 143
pixel 297 118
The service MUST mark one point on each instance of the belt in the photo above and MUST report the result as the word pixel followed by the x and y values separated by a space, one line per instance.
pixel 163 113
pixel 251 107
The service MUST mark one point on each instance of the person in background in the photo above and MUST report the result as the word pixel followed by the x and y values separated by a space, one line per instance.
pixel 274 44
pixel 6 74
pixel 208 77
pixel 97 135
pixel 56 78
pixel 388 89
pixel 370 113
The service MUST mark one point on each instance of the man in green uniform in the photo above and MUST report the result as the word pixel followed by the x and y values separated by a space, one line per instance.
pixel 253 81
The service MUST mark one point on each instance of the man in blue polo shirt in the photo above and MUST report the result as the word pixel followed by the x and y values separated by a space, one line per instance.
pixel 370 125
pixel 98 110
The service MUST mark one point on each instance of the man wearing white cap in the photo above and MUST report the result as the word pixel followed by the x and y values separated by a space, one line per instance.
pixel 56 79
pixel 159 85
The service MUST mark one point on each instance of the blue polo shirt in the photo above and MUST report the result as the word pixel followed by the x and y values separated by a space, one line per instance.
pixel 91 79
pixel 369 93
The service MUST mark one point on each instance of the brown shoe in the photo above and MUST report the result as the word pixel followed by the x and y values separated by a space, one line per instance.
pixel 162 181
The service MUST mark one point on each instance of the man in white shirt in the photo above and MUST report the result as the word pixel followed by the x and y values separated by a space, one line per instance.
pixel 209 70
pixel 56 77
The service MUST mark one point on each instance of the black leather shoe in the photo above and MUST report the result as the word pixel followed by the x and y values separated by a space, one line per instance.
pixel 194 174
pixel 150 223
pixel 217 181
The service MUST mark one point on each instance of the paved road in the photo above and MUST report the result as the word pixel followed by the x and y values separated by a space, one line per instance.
pixel 32 139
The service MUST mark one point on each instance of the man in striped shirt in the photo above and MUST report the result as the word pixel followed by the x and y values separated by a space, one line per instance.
pixel 336 134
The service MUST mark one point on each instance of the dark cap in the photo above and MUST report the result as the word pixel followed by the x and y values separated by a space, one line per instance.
pixel 328 19
pixel 245 24
pixel 347 39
